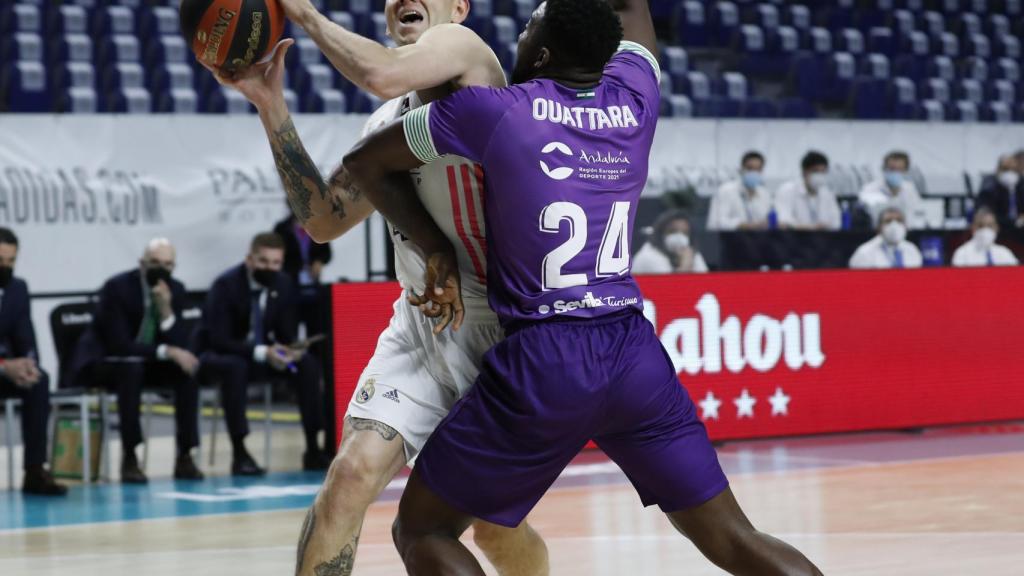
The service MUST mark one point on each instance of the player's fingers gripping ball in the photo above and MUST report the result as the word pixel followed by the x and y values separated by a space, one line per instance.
pixel 231 34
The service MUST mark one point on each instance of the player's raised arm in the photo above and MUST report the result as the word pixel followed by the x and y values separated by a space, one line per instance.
pixel 444 53
pixel 325 208
pixel 637 25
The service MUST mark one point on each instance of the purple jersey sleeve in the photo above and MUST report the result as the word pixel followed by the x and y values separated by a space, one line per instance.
pixel 461 124
pixel 634 67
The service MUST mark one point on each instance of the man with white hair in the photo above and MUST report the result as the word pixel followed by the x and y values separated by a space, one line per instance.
pixel 981 249
pixel 890 248
pixel 142 340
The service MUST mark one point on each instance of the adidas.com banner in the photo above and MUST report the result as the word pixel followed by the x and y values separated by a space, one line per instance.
pixel 778 354
pixel 85 193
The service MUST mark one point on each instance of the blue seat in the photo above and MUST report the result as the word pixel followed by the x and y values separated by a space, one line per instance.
pixel 997 26
pixel 67 19
pixel 998 112
pixel 364 103
pixel 71 48
pixel 120 48
pixel 506 31
pixel 964 111
pixel 113 20
pixel 942 67
pixel 869 99
pixel 933 111
pixel 136 100
pixel 312 78
pixel 172 76
pixel 1002 91
pixel 725 20
pixel 734 86
pixel 798 16
pixel 932 23
pixel 1007 69
pixel 1008 46
pixel 667 85
pixel 122 75
pixel 678 106
pixel 23 87
pixel 177 101
pixel 876 66
pixel 343 19
pixel 880 41
pixel 936 89
pixel 784 42
pixel 840 74
pixel 328 101
pixel 379 28
pixel 691 25
pixel 903 99
pixel 224 100
pixel 507 56
pixel 903 23
pixel 167 49
pixel 970 91
pixel 20 18
pixel 304 52
pixel 767 16
pixel 838 13
pixel 484 27
pixel 675 60
pixel 946 44
pixel 483 8
pixel 759 108
pixel 949 6
pixel 975 69
pixel 967 24
pixel 978 6
pixel 73 75
pixel 696 85
pixel 978 46
pixel 797 108
pixel 1014 7
pixel 819 41
pixel 806 76
pixel 157 21
pixel 21 46
pixel 78 100
pixel 850 40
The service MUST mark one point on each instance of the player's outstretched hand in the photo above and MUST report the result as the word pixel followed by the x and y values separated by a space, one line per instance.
pixel 443 296
pixel 263 82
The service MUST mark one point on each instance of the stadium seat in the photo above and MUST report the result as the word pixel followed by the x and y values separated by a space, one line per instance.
pixel 305 52
pixel 903 23
pixel 942 67
pixel 947 44
pixel 903 99
pixel 725 20
pixel 734 86
pixel 312 78
pixel 130 101
pixel 971 91
pixel 505 30
pixel 820 41
pixel 67 19
pixel 797 108
pixel 767 16
pixel 20 18
pixel 328 101
pixel 936 89
pixel 783 42
pixel 876 66
pixel 78 100
pixel 850 40
pixel 677 106
pixel 178 101
pixel 880 41
pixel 997 25
pixel 343 19
pixel 978 46
pixel 24 87
pixel 841 71
pixel 122 75
pixel 933 111
pixel 965 111
pixel 1007 46
pixel 691 24
pixel 71 48
pixel 157 21
pixel 665 87
pixel 675 60
pixel 697 86
pixel 113 20
pixel 73 75
pixel 798 16
pixel 172 76
pixel 967 25
pixel 1014 7
pixel 167 49
pixel 223 100
pixel 869 101
pixel 975 69
pixel 998 112
pixel 932 23
pixel 483 8
pixel 21 46
pixel 1002 91
pixel 364 103
pixel 1008 69
pixel 121 48
pixel 759 108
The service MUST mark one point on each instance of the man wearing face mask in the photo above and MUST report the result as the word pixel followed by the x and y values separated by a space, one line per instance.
pixel 669 250
pixel 20 375
pixel 1003 193
pixel 894 189
pixel 141 341
pixel 981 249
pixel 248 333
pixel 890 249
pixel 742 204
pixel 808 203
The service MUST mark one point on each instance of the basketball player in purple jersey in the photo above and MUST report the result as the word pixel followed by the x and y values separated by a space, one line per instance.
pixel 566 151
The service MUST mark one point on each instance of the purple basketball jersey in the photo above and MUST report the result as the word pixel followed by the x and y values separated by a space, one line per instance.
pixel 565 169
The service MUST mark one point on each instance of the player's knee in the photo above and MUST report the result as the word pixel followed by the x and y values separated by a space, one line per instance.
pixel 489 536
pixel 352 479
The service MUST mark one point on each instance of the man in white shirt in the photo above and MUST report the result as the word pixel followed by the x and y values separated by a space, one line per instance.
pixel 889 249
pixel 742 204
pixel 981 249
pixel 670 249
pixel 807 203
pixel 894 189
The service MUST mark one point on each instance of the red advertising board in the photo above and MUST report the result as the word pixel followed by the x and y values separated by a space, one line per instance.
pixel 789 353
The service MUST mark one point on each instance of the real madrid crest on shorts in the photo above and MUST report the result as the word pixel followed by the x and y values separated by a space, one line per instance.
pixel 365 392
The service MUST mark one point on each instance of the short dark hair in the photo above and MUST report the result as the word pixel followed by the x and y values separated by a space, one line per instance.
pixel 752 155
pixel 982 211
pixel 7 237
pixel 897 155
pixel 266 240
pixel 586 32
pixel 813 159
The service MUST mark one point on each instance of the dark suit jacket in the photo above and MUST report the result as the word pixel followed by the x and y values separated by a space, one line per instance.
pixel 997 198
pixel 119 315
pixel 226 316
pixel 17 336
pixel 293 253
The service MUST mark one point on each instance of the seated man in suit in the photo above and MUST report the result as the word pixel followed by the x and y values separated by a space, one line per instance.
pixel 144 342
pixel 248 324
pixel 20 376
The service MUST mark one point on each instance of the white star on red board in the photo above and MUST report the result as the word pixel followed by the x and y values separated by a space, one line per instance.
pixel 780 403
pixel 709 406
pixel 745 405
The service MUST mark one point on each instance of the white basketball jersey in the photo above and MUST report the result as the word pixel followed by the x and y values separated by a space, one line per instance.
pixel 452 191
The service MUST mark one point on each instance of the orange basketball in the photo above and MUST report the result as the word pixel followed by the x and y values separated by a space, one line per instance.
pixel 231 34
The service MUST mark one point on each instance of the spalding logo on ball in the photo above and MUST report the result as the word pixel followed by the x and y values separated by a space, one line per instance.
pixel 231 34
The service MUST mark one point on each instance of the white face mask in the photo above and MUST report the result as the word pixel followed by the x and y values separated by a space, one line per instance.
pixel 817 180
pixel 985 237
pixel 1009 179
pixel 677 241
pixel 894 232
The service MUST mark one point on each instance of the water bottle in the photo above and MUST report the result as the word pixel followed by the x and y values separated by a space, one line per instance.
pixel 773 220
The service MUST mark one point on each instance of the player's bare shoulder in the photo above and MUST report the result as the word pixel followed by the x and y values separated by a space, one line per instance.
pixel 482 67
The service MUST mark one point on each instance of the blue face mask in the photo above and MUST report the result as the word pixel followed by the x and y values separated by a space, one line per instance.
pixel 893 179
pixel 752 179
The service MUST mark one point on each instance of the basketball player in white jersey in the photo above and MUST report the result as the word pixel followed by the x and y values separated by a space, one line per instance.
pixel 416 374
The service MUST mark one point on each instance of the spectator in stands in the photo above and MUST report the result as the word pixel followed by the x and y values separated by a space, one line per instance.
pixel 889 249
pixel 1003 192
pixel 807 203
pixel 895 189
pixel 20 375
pixel 981 249
pixel 304 261
pixel 249 333
pixel 138 338
pixel 742 204
pixel 669 249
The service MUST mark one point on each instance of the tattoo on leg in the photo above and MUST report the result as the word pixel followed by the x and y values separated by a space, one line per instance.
pixel 340 565
pixel 386 432
pixel 299 174
pixel 307 532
